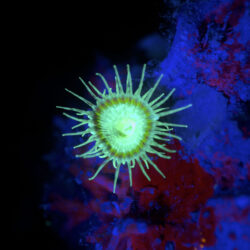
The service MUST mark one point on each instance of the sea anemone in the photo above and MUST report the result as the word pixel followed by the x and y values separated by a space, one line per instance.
pixel 125 125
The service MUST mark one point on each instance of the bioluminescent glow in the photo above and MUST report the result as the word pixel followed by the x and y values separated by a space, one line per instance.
pixel 125 125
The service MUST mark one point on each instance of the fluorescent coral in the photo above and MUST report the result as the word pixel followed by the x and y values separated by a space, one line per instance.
pixel 125 125
pixel 204 201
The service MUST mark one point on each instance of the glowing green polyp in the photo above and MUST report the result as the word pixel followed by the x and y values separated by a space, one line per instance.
pixel 124 124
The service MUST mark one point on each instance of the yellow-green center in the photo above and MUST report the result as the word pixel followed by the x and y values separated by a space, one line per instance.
pixel 123 124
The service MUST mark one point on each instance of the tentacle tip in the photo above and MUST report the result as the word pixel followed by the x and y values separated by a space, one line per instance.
pixel 80 156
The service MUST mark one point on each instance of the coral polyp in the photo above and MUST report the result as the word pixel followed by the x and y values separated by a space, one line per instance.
pixel 125 125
